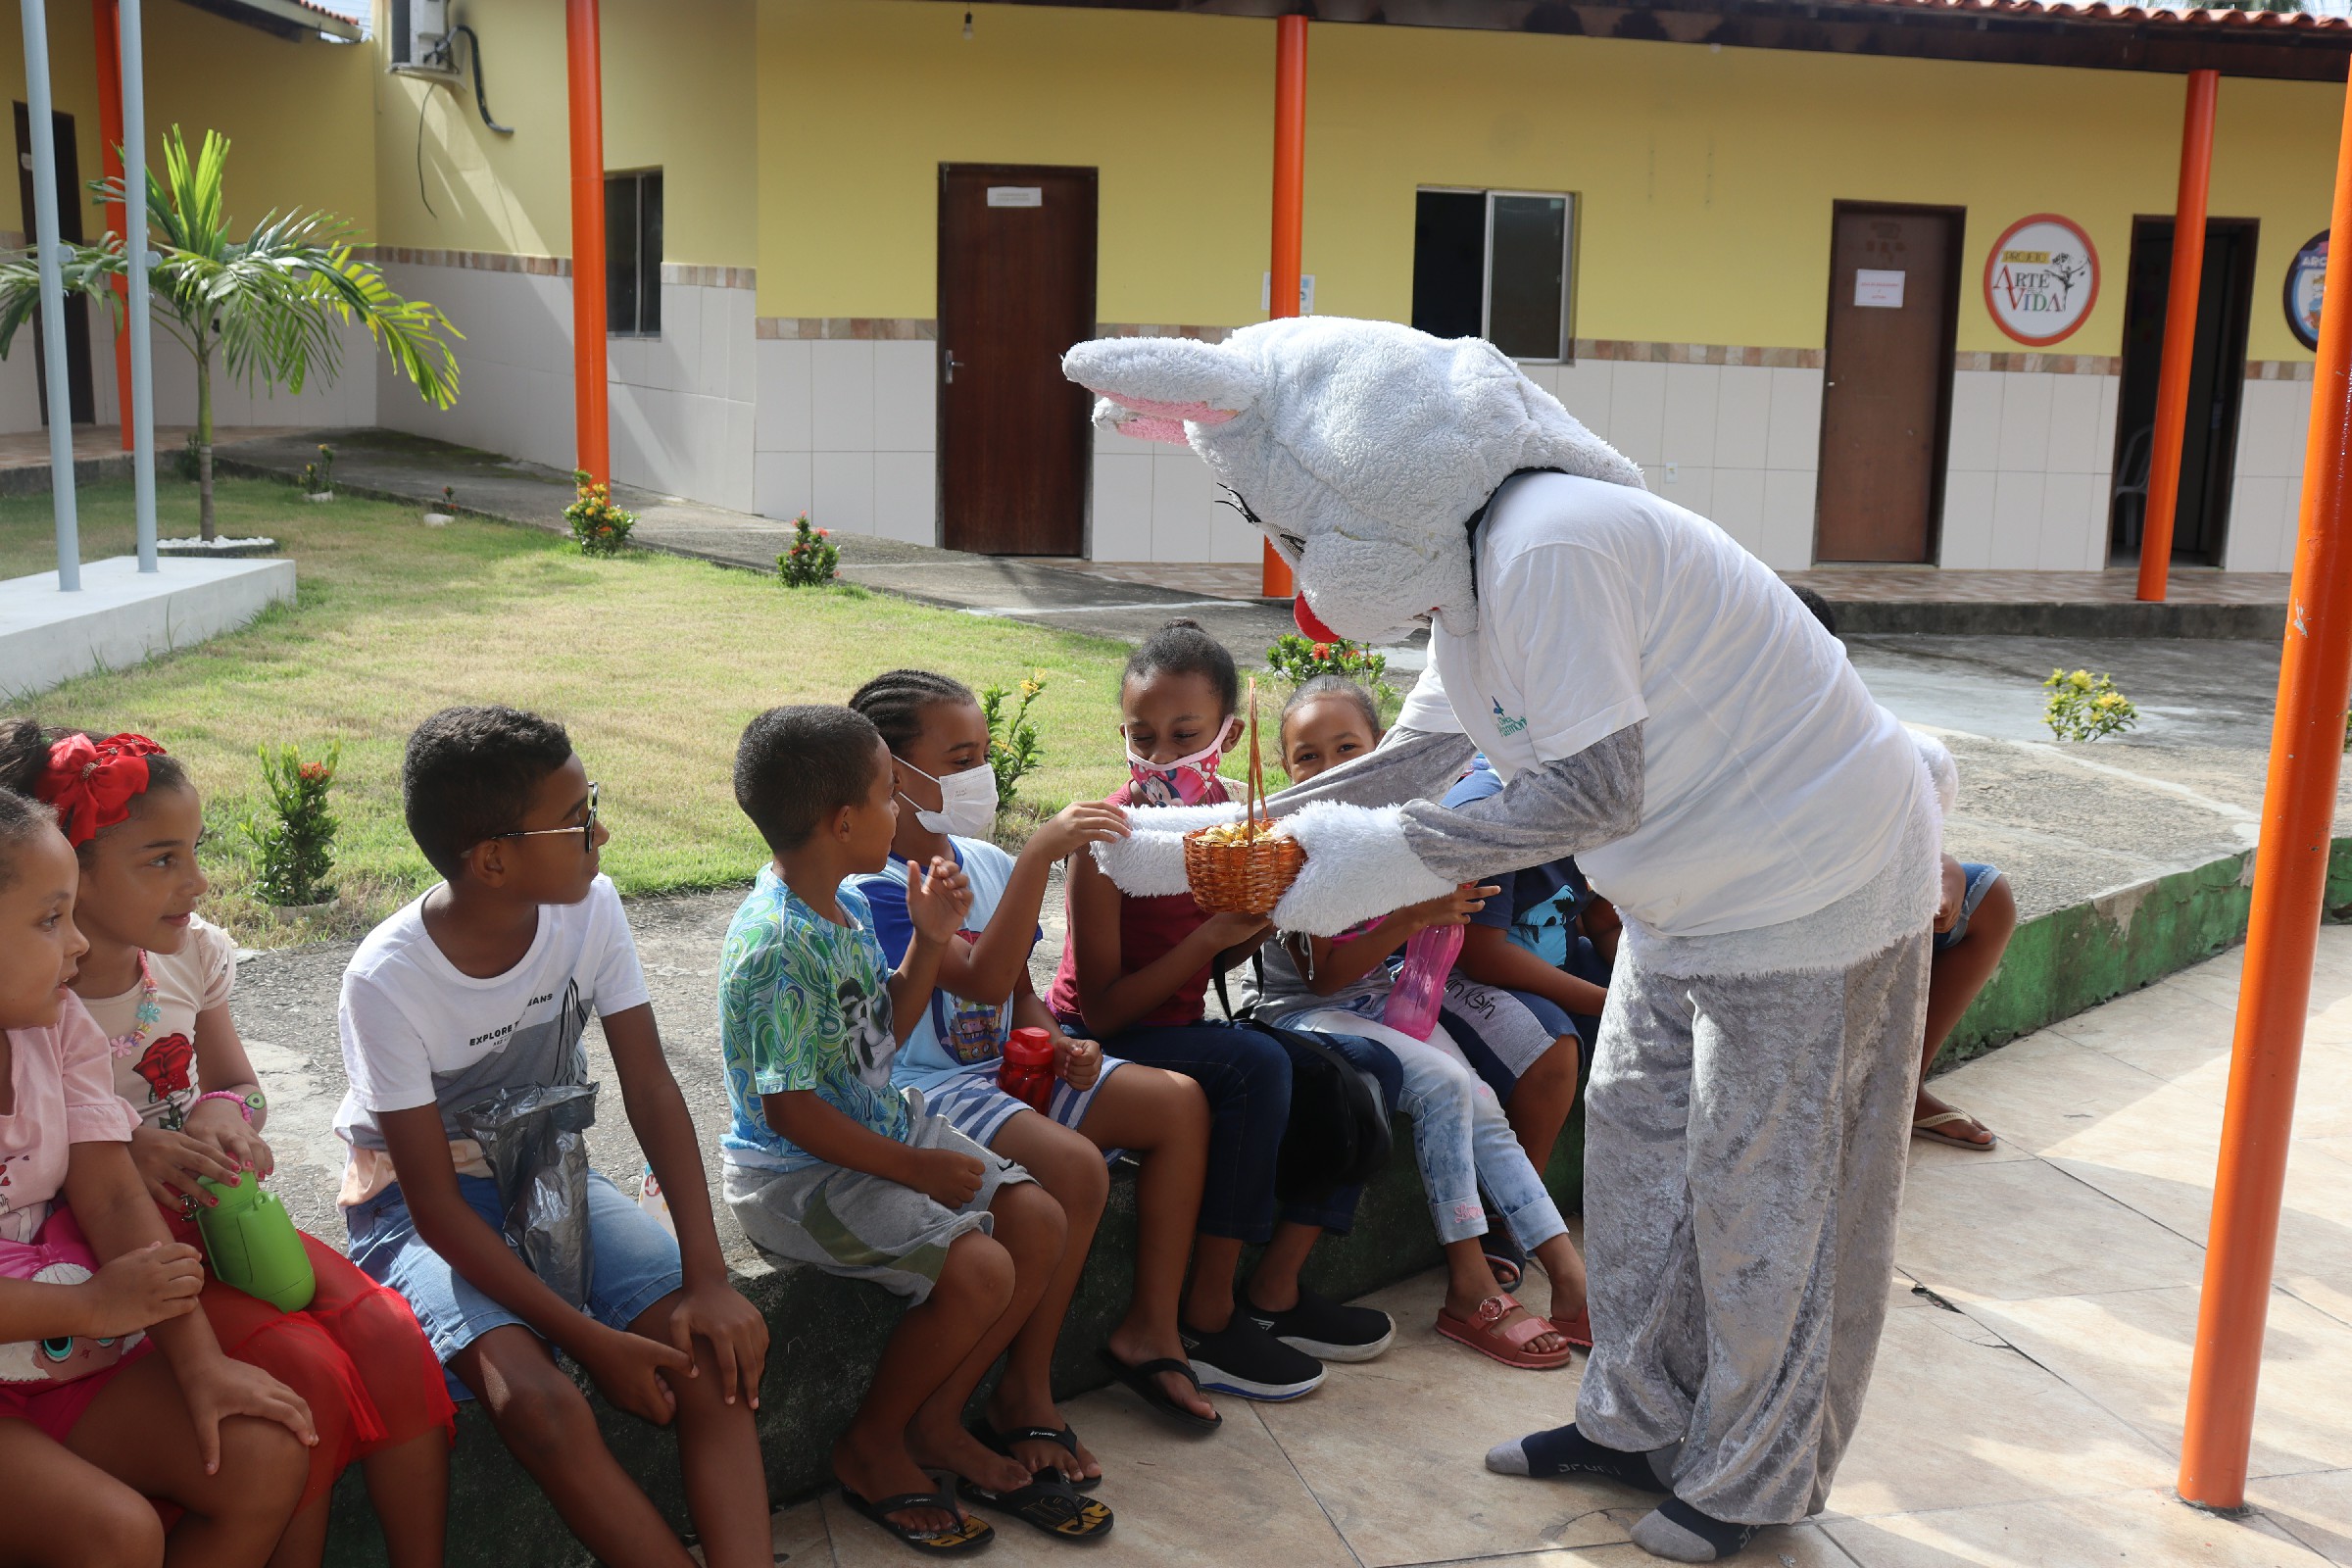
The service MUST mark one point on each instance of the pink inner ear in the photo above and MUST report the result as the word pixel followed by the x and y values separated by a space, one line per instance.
pixel 1144 428
pixel 1197 413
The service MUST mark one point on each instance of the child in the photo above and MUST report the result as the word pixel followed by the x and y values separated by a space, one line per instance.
pixel 1527 983
pixel 938 743
pixel 830 1164
pixel 87 1439
pixel 1460 1134
pixel 1973 925
pixel 1133 976
pixel 156 980
pixel 483 985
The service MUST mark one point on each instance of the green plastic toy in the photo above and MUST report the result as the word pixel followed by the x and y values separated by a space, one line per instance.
pixel 254 1247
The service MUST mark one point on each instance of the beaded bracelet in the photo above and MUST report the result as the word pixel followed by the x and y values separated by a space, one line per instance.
pixel 246 1104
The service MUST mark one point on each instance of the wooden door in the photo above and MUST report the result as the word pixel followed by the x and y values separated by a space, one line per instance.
pixel 69 194
pixel 1016 288
pixel 1886 394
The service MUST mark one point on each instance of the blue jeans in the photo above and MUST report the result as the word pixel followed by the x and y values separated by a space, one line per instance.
pixel 1461 1139
pixel 1977 880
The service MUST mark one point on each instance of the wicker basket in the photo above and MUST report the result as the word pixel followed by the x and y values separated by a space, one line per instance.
pixel 1248 875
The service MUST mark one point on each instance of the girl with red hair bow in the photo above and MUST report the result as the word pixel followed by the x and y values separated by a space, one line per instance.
pixel 157 979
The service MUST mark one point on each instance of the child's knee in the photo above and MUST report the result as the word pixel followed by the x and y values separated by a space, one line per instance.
pixel 119 1530
pixel 262 1469
pixel 977 1276
pixel 1071 1170
pixel 534 1406
pixel 1553 1072
pixel 1029 1222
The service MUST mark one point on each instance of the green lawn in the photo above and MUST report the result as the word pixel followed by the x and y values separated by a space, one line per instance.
pixel 653 662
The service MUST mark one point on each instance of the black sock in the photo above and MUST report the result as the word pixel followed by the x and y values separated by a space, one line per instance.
pixel 1680 1533
pixel 1566 1452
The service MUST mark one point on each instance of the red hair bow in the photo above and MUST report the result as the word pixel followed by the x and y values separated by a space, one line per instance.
pixel 92 783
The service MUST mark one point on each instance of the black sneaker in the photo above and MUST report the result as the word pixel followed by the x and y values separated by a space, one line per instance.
pixel 1242 1358
pixel 1326 1330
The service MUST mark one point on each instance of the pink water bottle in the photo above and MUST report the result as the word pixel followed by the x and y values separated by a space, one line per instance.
pixel 1027 1070
pixel 1412 1003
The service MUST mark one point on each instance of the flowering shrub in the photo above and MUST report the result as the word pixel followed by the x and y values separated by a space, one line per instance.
pixel 1297 660
pixel 1012 747
pixel 600 527
pixel 319 478
pixel 2083 706
pixel 297 849
pixel 813 559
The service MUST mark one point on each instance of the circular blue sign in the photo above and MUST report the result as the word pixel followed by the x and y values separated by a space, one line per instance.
pixel 2305 275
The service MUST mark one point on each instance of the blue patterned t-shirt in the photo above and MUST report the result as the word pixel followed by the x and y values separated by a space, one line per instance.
pixel 804 1005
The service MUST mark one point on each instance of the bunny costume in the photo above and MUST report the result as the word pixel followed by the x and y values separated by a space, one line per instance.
pixel 1663 709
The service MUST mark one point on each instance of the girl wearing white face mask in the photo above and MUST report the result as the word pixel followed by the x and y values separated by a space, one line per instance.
pixel 946 794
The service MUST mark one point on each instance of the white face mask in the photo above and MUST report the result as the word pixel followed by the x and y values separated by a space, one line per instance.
pixel 967 802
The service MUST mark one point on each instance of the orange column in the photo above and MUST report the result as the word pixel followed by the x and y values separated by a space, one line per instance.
pixel 585 70
pixel 1290 214
pixel 2291 873
pixel 2179 333
pixel 109 39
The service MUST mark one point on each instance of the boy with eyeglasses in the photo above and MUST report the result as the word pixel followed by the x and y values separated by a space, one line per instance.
pixel 486 984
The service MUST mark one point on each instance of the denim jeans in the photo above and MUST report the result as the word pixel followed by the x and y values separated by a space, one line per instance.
pixel 1460 1138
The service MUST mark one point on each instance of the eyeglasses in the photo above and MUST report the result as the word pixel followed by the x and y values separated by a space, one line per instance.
pixel 586 830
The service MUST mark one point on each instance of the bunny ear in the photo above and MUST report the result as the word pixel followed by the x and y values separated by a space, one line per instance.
pixel 1167 380
pixel 1116 418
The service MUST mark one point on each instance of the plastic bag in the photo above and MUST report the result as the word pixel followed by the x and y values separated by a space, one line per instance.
pixel 650 1199
pixel 532 1138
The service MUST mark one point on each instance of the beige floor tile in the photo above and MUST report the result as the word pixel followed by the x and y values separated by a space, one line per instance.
pixel 2135 1528
pixel 2129 1352
pixel 2315 1509
pixel 2173 1187
pixel 1226 1499
pixel 1429 1410
pixel 2162 1030
pixel 799 1535
pixel 1957 1419
pixel 2042 1090
pixel 1796 1546
pixel 2022 1229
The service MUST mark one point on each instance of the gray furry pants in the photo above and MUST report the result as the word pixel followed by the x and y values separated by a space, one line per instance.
pixel 1745 1145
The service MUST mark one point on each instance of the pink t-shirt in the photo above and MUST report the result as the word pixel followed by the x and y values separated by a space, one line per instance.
pixel 63 1086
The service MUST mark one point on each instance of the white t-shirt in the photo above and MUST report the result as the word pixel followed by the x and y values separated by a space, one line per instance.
pixel 418 1032
pixel 155 1066
pixel 1773 784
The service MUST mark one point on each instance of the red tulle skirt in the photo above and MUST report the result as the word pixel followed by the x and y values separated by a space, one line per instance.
pixel 355 1354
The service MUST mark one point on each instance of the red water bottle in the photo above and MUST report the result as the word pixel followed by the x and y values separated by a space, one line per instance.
pixel 1420 987
pixel 1027 1070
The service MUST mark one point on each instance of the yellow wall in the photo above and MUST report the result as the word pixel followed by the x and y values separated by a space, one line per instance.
pixel 1706 175
pixel 678 96
pixel 297 114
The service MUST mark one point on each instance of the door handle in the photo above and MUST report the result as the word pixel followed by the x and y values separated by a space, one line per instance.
pixel 952 363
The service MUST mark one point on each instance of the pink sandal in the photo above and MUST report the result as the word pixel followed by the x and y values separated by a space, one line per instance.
pixel 1490 1336
pixel 1577 1329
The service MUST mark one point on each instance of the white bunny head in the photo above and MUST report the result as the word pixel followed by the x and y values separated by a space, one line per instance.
pixel 1360 448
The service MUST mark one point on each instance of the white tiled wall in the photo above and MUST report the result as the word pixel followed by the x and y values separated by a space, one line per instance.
pixel 2272 425
pixel 1157 501
pixel 347 399
pixel 846 430
pixel 2026 475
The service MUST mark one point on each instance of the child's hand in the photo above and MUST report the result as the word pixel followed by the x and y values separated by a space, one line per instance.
pixel 1452 908
pixel 169 1162
pixel 1077 1062
pixel 139 1290
pixel 628 1369
pixel 218 1388
pixel 1074 827
pixel 224 1126
pixel 736 1332
pixel 1955 891
pixel 946 1177
pixel 938 898
pixel 1231 931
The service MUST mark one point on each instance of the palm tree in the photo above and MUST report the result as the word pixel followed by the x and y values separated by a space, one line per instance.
pixel 266 306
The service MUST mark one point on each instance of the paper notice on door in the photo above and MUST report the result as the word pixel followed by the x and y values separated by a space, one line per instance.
pixel 1035 196
pixel 1874 289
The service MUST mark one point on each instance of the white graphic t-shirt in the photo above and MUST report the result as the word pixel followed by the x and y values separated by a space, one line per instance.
pixel 155 1062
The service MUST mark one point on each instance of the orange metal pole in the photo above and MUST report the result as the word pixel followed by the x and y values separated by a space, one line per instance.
pixel 2179 333
pixel 109 39
pixel 1290 216
pixel 585 70
pixel 2291 873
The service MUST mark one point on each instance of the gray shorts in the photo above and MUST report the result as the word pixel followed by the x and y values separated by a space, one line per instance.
pixel 866 1227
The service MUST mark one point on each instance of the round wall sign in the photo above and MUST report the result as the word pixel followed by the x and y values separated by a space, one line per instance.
pixel 2304 277
pixel 2041 280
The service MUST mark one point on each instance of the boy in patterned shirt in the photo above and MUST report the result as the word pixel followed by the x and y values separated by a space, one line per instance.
pixel 828 1165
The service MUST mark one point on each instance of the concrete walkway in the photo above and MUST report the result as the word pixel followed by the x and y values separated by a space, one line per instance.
pixel 2027 1406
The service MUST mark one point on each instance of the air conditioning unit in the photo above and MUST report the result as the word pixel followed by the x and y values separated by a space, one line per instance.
pixel 419 38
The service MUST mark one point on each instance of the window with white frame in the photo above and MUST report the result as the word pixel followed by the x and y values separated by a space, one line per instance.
pixel 633 254
pixel 1496 265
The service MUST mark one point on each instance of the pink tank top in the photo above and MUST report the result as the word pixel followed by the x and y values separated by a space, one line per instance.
pixel 1148 929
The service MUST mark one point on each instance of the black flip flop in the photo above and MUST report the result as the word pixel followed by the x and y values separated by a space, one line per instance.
pixel 1145 1381
pixel 968 1536
pixel 1048 1503
pixel 996 1441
